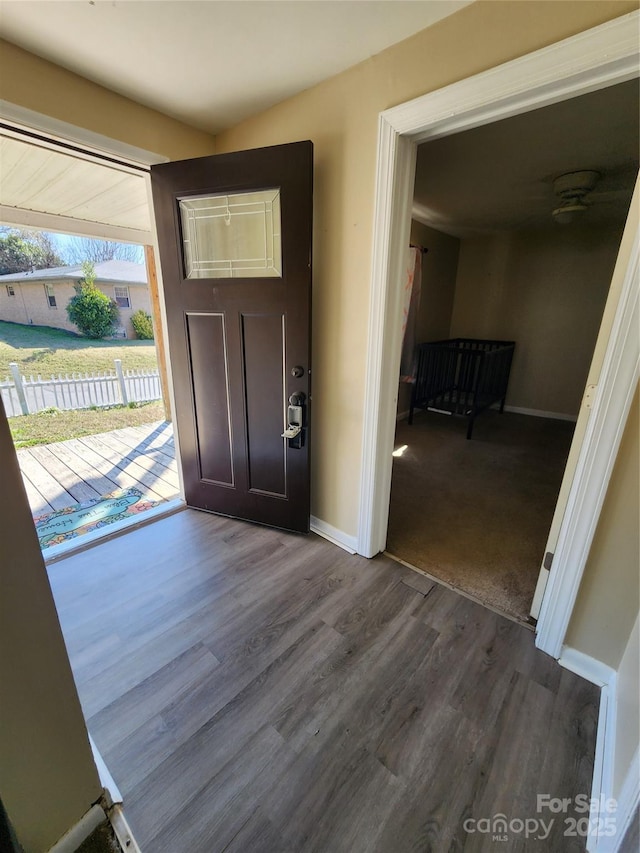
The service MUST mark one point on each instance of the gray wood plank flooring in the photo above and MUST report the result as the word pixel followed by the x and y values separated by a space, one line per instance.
pixel 258 692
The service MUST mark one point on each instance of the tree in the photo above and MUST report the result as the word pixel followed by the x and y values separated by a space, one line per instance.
pixel 95 315
pixel 23 251
pixel 80 249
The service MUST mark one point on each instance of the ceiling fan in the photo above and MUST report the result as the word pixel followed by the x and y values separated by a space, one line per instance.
pixel 572 190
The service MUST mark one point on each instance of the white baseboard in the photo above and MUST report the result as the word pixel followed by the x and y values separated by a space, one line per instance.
pixel 78 833
pixel 585 666
pixel 518 410
pixel 604 677
pixel 602 787
pixel 337 537
pixel 628 804
pixel 539 413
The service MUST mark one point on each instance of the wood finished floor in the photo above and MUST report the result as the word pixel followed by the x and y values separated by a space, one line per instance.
pixel 258 692
pixel 61 475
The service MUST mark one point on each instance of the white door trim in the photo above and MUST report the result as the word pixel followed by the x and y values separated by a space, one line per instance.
pixel 592 60
pixel 613 396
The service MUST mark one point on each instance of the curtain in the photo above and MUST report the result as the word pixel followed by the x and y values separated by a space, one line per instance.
pixel 411 305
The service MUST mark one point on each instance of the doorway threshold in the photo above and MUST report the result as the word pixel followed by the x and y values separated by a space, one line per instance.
pixel 525 623
pixel 118 528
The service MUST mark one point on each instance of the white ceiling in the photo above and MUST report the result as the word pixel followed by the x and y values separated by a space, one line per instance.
pixel 500 176
pixel 212 63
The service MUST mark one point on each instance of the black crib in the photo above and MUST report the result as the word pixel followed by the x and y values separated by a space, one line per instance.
pixel 461 376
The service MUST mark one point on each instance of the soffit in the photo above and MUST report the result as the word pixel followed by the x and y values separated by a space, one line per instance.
pixel 42 180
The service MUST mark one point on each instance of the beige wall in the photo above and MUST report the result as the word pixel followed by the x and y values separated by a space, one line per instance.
pixel 38 85
pixel 439 272
pixel 30 304
pixel 546 290
pixel 438 283
pixel 628 709
pixel 609 596
pixel 47 776
pixel 340 116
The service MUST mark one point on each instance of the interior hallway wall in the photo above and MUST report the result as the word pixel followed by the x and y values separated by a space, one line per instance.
pixel 439 271
pixel 340 115
pixel 35 84
pixel 546 290
pixel 609 597
pixel 628 710
pixel 438 282
pixel 48 779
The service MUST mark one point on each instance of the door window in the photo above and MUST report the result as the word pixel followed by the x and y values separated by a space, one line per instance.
pixel 232 236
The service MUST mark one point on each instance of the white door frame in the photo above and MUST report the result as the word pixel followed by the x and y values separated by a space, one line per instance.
pixel 592 60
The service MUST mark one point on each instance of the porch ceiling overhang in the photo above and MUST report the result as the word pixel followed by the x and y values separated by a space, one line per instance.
pixel 44 187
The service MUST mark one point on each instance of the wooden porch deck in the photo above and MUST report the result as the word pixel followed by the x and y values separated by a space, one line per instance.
pixel 61 475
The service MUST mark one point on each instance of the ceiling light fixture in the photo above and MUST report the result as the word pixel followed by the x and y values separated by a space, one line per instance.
pixel 572 190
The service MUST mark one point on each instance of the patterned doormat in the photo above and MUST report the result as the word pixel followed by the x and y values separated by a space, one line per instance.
pixel 64 524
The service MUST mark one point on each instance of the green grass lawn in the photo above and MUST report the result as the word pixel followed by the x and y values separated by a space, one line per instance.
pixel 41 350
pixel 54 425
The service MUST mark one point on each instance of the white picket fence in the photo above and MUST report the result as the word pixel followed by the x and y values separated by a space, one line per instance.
pixel 24 396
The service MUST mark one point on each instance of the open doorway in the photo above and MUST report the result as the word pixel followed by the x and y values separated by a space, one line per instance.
pixel 597 59
pixel 498 266
pixel 86 391
pixel 83 391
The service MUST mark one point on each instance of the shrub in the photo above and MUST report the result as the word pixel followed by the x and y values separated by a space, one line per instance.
pixel 142 324
pixel 90 309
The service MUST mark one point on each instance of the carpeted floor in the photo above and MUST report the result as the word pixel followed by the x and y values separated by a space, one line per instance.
pixel 476 514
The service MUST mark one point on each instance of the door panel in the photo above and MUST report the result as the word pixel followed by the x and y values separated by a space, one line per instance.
pixel 235 248
pixel 208 364
pixel 263 339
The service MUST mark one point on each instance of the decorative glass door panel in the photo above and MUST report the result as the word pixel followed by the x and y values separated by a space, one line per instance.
pixel 232 236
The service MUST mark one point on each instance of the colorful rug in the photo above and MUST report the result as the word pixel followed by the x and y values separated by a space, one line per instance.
pixel 64 524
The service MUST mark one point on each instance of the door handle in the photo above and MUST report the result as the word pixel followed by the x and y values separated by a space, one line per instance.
pixel 295 420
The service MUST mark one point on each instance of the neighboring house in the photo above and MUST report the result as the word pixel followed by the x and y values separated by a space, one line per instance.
pixel 40 298
pixel 341 116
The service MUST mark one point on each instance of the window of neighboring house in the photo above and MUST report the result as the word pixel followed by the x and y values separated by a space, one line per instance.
pixel 51 297
pixel 10 290
pixel 122 297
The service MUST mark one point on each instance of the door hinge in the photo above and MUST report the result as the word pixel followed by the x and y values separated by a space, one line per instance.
pixel 589 395
pixel 548 560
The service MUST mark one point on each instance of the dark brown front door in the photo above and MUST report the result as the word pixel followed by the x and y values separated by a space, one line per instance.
pixel 235 250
